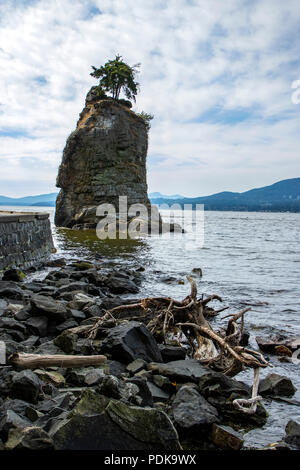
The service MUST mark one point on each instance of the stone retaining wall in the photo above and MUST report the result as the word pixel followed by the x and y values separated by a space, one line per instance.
pixel 25 237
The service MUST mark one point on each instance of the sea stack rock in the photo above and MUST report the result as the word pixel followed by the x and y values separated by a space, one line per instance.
pixel 104 158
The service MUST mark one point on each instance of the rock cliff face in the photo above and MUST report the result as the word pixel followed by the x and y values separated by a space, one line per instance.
pixel 104 158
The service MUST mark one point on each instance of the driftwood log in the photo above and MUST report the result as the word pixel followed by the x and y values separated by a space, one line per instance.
pixel 34 361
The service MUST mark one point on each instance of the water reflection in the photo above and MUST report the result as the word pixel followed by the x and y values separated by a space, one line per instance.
pixel 86 243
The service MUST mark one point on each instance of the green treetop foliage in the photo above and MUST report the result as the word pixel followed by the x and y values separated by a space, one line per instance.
pixel 146 118
pixel 116 76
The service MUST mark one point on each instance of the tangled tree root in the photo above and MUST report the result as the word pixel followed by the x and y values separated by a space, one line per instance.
pixel 220 351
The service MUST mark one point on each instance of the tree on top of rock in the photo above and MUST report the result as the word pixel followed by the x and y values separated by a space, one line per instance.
pixel 116 76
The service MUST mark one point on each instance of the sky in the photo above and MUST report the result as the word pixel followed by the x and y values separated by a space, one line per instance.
pixel 216 74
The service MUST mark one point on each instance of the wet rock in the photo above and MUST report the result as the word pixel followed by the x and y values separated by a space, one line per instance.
pixel 80 301
pixel 99 424
pixel 283 351
pixel 275 384
pixel 66 341
pixel 13 275
pixel 22 315
pixel 52 377
pixel 62 400
pixel 9 419
pixel 70 323
pixel 10 290
pixel 158 395
pixel 45 306
pixel 78 315
pixel 191 411
pixel 3 305
pixel 168 279
pixel 220 391
pixel 18 406
pixel 73 286
pixel 244 341
pixel 93 311
pixel 110 387
pixel 85 376
pixel 25 385
pixel 32 414
pixel 30 342
pixel 38 325
pixel 136 366
pixel 180 371
pixel 226 438
pixel 197 272
pixel 144 390
pixel 82 265
pixel 129 341
pixel 30 438
pixel 119 285
pixel 115 368
pixel 164 383
pixel 270 344
pixel 14 308
pixel 48 348
pixel 55 263
pixel 85 347
pixel 172 353
pixel 11 324
pixel 292 434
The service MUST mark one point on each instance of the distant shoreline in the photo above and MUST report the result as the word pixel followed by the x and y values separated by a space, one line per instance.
pixel 170 203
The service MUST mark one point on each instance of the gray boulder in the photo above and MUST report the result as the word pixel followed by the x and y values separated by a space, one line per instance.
pixel 276 385
pixel 101 424
pixel 45 306
pixel 9 420
pixel 129 341
pixel 29 438
pixel 292 434
pixel 25 385
pixel 191 411
pixel 180 371
pixel 220 391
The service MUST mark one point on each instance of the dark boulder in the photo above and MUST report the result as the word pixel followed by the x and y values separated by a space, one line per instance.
pixel 13 274
pixel 191 411
pixel 38 325
pixel 101 424
pixel 53 310
pixel 129 341
pixel 220 391
pixel 278 385
pixel 158 395
pixel 29 438
pixel 226 438
pixel 118 285
pixel 25 385
pixel 189 370
pixel 172 353
pixel 10 290
pixel 292 434
pixel 9 419
pixel 144 390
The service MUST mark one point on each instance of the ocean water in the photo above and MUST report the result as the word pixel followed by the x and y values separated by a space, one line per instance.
pixel 248 258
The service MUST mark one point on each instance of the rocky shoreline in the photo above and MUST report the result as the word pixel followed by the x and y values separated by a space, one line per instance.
pixel 146 396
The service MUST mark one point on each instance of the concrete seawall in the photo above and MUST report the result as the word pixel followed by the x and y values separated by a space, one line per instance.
pixel 25 237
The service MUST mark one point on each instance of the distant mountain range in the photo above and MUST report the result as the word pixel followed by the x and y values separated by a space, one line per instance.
pixel 46 200
pixel 162 196
pixel 283 196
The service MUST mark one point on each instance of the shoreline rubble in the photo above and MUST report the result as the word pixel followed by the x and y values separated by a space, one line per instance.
pixel 147 395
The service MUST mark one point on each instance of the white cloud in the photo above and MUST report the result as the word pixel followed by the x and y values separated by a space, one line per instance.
pixel 198 58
